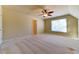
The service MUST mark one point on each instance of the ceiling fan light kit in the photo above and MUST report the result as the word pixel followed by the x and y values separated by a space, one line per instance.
pixel 46 13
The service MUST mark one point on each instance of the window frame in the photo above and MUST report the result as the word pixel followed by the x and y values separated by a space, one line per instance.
pixel 59 31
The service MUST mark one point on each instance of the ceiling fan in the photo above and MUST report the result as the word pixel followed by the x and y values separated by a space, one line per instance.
pixel 45 13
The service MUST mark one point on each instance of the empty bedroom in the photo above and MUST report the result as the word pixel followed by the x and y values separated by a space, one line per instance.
pixel 39 29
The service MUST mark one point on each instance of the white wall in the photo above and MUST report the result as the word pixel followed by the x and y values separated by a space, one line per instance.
pixel 78 28
pixel 74 10
pixel 0 24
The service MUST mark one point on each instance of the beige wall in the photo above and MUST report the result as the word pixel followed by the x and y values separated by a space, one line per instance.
pixel 18 24
pixel 72 26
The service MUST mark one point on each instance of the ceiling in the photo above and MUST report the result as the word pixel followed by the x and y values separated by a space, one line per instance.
pixel 36 9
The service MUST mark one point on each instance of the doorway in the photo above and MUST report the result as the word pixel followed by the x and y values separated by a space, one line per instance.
pixel 34 27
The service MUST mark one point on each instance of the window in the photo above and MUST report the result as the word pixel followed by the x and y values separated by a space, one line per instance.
pixel 59 25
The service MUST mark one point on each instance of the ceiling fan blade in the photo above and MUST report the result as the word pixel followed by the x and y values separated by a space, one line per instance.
pixel 42 11
pixel 51 12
